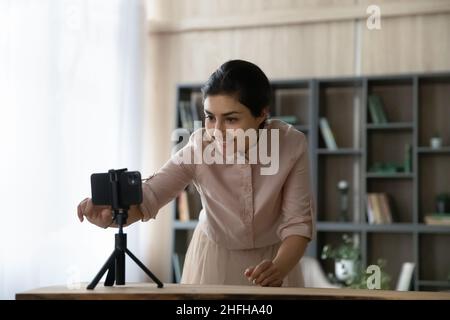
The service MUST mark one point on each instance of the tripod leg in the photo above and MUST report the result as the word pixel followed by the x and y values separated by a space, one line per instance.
pixel 143 267
pixel 111 275
pixel 108 264
pixel 120 244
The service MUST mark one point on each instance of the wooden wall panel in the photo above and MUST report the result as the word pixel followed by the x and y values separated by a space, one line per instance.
pixel 407 44
pixel 193 9
pixel 282 52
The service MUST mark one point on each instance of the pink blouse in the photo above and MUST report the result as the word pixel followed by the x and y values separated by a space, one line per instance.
pixel 242 209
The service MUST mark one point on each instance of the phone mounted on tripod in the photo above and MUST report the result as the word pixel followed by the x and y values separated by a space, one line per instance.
pixel 119 189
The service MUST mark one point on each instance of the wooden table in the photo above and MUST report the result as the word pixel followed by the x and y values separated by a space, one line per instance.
pixel 148 291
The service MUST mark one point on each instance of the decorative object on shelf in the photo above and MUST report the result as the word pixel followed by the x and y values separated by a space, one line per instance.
pixel 443 203
pixel 346 259
pixel 343 200
pixel 436 141
pixel 345 269
pixel 327 134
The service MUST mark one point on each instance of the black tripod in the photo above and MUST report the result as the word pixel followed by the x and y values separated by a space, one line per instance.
pixel 115 265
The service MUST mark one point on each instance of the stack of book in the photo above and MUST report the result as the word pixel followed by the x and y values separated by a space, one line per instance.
pixel 440 219
pixel 378 208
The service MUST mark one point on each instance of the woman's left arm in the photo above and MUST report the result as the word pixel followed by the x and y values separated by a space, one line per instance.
pixel 272 273
pixel 296 226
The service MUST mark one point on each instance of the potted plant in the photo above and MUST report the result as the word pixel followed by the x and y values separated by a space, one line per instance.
pixel 346 259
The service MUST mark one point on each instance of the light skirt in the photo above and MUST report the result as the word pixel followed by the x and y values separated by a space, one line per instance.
pixel 207 262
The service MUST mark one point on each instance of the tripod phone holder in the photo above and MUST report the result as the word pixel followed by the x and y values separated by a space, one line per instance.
pixel 115 265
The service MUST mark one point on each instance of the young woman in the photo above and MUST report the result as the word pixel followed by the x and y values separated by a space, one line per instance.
pixel 254 226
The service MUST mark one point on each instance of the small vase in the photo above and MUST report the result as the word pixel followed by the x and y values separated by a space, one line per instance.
pixel 344 269
pixel 442 206
pixel 436 142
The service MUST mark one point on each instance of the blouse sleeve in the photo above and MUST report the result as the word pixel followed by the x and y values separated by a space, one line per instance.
pixel 167 183
pixel 297 210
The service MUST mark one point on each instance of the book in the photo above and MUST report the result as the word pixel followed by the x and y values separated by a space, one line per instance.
pixel 197 106
pixel 440 219
pixel 185 115
pixel 327 134
pixel 378 208
pixel 405 278
pixel 373 111
pixel 376 109
pixel 386 212
pixel 370 209
pixel 176 267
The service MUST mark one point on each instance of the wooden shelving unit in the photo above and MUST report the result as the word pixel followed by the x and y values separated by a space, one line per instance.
pixel 416 107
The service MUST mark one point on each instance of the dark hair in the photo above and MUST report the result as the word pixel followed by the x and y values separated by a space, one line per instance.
pixel 242 79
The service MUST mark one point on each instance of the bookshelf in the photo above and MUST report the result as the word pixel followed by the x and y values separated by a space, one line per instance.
pixel 388 154
pixel 187 205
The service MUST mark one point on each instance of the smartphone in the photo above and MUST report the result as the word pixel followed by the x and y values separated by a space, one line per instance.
pixel 129 188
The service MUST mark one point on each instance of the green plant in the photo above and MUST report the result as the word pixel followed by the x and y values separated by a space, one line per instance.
pixel 443 197
pixel 347 250
pixel 436 135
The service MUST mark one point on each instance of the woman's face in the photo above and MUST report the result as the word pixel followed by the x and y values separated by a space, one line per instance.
pixel 224 112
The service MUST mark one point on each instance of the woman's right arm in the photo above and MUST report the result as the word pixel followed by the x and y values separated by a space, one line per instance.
pixel 158 190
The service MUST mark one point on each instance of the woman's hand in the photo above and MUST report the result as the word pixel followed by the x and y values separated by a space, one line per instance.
pixel 266 274
pixel 99 215
pixel 271 273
